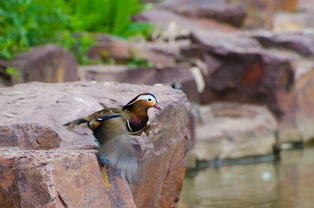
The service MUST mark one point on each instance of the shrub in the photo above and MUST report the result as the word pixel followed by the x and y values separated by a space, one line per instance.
pixel 68 23
pixel 24 23
pixel 108 16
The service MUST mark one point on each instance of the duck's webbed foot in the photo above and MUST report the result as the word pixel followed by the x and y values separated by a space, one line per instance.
pixel 104 164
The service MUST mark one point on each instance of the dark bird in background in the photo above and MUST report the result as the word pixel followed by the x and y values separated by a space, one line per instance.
pixel 113 128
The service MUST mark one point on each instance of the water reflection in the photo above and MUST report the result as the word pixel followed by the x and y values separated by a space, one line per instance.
pixel 288 183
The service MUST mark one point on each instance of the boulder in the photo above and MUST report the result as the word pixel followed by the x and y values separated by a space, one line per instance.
pixel 178 75
pixel 220 10
pixel 119 51
pixel 299 42
pixel 285 21
pixel 230 130
pixel 172 24
pixel 161 53
pixel 296 124
pixel 28 136
pixel 57 178
pixel 305 5
pixel 47 63
pixel 260 12
pixel 35 112
pixel 239 70
pixel 107 47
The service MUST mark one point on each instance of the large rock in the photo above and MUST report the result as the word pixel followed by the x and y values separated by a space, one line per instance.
pixel 186 79
pixel 44 108
pixel 306 5
pixel 260 12
pixel 57 178
pixel 229 130
pixel 160 53
pixel 220 10
pixel 28 136
pixel 299 42
pixel 47 63
pixel 284 21
pixel 172 24
pixel 295 124
pixel 107 47
pixel 119 51
pixel 239 70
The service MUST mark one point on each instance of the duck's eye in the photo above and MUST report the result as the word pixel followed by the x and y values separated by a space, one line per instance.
pixel 149 99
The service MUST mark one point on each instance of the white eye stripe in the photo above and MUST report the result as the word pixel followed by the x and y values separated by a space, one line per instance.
pixel 146 97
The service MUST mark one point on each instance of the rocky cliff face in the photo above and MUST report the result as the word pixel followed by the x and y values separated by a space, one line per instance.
pixel 42 164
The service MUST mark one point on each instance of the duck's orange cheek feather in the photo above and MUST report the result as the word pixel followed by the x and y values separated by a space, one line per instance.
pixel 143 104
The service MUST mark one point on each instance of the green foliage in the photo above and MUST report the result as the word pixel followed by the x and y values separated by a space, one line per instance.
pixel 78 43
pixel 24 23
pixel 138 61
pixel 68 23
pixel 108 16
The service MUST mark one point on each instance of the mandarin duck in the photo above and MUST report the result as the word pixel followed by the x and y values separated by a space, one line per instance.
pixel 113 128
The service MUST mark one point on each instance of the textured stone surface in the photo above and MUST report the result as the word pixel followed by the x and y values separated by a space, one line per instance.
pixel 57 178
pixel 144 75
pixel 299 42
pixel 110 47
pixel 52 105
pixel 239 70
pixel 285 21
pixel 119 51
pixel 160 53
pixel 229 130
pixel 220 10
pixel 173 25
pixel 297 118
pixel 29 136
pixel 47 63
pixel 306 5
pixel 296 124
pixel 261 12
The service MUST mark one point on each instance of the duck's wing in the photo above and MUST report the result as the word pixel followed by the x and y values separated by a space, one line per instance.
pixel 88 119
pixel 115 146
pixel 122 157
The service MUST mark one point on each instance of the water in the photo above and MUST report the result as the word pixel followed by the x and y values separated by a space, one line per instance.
pixel 288 183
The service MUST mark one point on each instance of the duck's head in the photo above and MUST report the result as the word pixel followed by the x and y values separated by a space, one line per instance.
pixel 143 101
